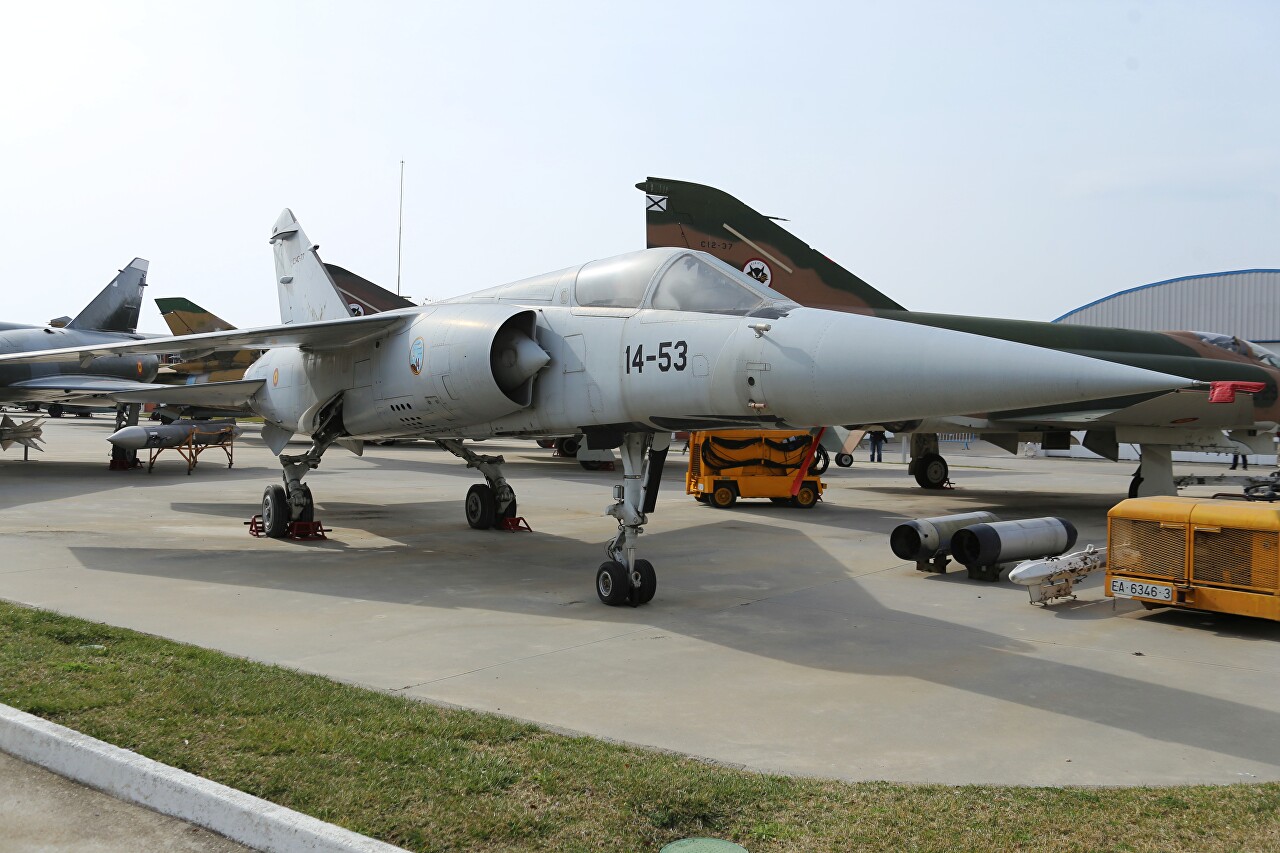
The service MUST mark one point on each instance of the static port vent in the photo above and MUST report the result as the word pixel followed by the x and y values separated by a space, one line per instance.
pixel 1148 548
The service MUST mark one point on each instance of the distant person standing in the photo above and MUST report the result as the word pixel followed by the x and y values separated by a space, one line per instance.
pixel 877 443
pixel 1239 458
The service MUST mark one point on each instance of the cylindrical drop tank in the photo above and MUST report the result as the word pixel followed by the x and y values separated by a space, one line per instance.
pixel 1006 541
pixel 925 538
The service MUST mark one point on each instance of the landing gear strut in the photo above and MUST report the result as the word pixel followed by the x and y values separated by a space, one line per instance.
pixel 292 502
pixel 624 578
pixel 489 501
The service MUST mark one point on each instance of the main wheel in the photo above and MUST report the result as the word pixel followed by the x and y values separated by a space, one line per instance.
pixel 821 461
pixel 546 443
pixel 275 512
pixel 724 496
pixel 54 410
pixel 648 582
pixel 567 446
pixel 480 507
pixel 807 496
pixel 612 583
pixel 309 508
pixel 931 471
pixel 844 460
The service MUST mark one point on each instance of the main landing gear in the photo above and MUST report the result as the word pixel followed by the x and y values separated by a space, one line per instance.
pixel 289 510
pixel 624 578
pixel 927 464
pixel 489 504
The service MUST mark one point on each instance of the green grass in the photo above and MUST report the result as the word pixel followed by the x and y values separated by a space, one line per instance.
pixel 436 779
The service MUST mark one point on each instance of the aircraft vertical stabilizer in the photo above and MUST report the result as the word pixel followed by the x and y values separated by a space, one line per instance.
pixel 117 307
pixel 307 292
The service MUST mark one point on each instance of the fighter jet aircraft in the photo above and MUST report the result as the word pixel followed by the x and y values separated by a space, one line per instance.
pixel 111 316
pixel 622 350
pixel 679 213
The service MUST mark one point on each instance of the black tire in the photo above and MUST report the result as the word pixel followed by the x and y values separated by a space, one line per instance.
pixel 931 471
pixel 90 414
pixel 308 513
pixel 567 446
pixel 612 583
pixel 590 465
pixel 821 462
pixel 33 407
pixel 807 496
pixel 480 507
pixel 648 582
pixel 1134 485
pixel 724 496
pixel 54 410
pixel 546 443
pixel 844 460
pixel 275 512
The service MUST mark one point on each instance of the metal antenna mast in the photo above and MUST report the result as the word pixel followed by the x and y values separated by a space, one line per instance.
pixel 400 230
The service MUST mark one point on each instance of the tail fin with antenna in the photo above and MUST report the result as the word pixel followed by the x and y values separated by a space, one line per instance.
pixel 117 307
pixel 307 292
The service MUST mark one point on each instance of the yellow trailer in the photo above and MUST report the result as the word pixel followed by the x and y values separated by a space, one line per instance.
pixel 1197 553
pixel 729 464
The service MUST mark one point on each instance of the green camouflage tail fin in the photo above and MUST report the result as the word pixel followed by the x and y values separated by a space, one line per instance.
pixel 694 216
pixel 187 318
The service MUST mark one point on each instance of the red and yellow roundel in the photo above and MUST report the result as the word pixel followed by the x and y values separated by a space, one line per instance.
pixel 275 378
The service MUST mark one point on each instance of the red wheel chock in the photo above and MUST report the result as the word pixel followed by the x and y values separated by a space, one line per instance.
pixel 301 531
pixel 514 524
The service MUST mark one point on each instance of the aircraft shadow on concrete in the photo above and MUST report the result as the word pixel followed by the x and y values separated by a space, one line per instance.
pixel 720 593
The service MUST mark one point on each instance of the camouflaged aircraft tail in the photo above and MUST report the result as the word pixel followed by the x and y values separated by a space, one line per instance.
pixel 695 216
pixel 363 296
pixel 184 317
pixel 117 307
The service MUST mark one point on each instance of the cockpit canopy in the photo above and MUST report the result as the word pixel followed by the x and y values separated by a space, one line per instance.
pixel 691 281
pixel 666 279
pixel 1239 346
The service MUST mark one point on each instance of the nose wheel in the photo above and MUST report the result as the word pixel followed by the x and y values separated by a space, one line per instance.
pixel 615 586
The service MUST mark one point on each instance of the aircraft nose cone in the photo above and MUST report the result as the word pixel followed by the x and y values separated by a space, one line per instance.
pixel 871 370
pixel 516 358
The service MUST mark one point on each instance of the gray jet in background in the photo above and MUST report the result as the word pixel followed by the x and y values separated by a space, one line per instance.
pixel 111 317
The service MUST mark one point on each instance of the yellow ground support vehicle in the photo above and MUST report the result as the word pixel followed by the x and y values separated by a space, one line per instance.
pixel 729 464
pixel 1198 553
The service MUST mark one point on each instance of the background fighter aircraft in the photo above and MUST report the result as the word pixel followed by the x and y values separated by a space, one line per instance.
pixel 695 216
pixel 111 316
pixel 622 350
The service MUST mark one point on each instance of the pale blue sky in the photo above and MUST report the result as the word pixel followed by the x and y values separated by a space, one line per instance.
pixel 1005 158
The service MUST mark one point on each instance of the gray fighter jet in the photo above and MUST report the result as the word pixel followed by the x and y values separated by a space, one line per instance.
pixel 623 351
pixel 112 316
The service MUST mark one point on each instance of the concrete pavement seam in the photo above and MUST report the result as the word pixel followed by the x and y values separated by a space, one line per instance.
pixel 128 776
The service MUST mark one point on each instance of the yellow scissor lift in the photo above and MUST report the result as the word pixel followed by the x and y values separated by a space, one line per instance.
pixel 1197 553
pixel 729 464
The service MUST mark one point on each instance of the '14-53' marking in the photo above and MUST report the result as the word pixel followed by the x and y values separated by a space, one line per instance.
pixel 664 357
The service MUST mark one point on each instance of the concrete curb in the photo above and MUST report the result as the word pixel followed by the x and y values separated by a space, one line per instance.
pixel 137 779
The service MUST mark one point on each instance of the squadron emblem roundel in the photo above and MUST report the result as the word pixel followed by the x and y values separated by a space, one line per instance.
pixel 759 270
pixel 417 352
